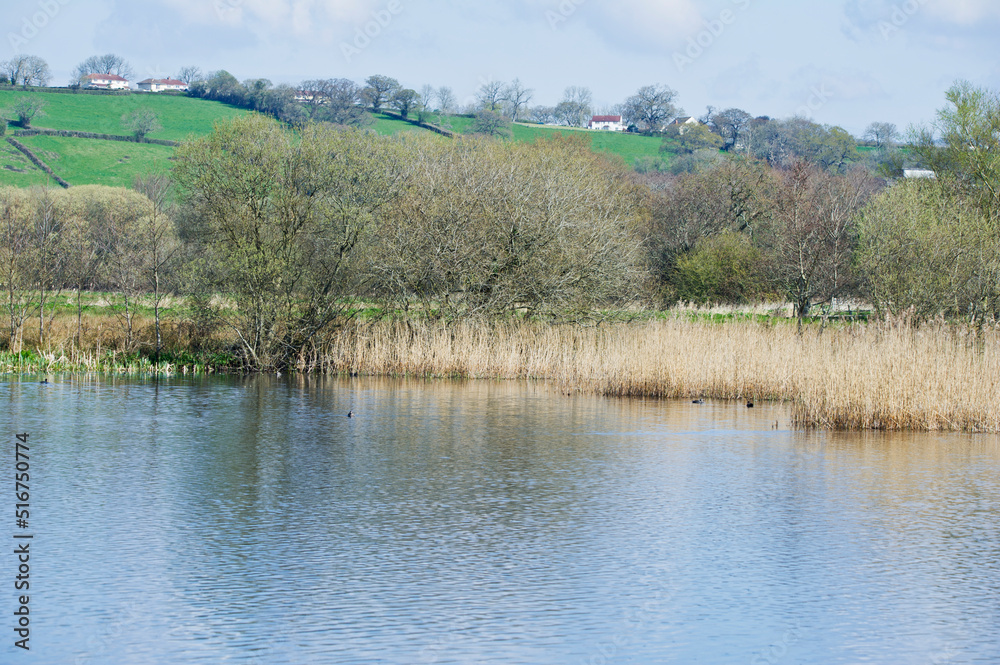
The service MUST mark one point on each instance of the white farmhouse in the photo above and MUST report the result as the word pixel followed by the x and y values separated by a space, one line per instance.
pixel 685 124
pixel 104 82
pixel 608 123
pixel 159 85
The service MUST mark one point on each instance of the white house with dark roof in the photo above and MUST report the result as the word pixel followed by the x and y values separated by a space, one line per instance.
pixel 159 85
pixel 608 123
pixel 104 82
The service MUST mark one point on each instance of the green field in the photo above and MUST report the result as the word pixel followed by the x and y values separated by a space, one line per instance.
pixel 627 146
pixel 16 170
pixel 181 117
pixel 95 162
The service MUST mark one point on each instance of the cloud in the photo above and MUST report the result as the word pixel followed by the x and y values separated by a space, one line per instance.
pixel 937 20
pixel 963 12
pixel 293 17
pixel 643 25
pixel 842 85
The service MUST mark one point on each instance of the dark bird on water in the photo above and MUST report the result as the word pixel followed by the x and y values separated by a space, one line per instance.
pixel 44 382
pixel 698 401
pixel 749 404
pixel 350 414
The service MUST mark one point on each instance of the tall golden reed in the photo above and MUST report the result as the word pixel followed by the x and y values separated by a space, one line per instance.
pixel 864 376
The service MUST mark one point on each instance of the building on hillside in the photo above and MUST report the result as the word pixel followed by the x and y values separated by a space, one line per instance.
pixel 306 96
pixel 685 124
pixel 159 85
pixel 608 123
pixel 104 82
pixel 919 173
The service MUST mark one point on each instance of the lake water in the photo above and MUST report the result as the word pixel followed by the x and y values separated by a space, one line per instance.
pixel 247 520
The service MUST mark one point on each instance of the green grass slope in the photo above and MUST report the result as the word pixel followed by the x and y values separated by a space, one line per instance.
pixel 16 170
pixel 181 117
pixel 95 162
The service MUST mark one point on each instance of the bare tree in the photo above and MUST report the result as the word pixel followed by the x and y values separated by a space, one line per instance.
pixel 48 256
pixel 576 106
pixel 161 245
pixel 116 217
pixel 517 97
pixel 650 108
pixel 104 64
pixel 446 100
pixel 882 134
pixel 344 103
pixel 489 228
pixel 490 96
pixel 26 70
pixel 16 211
pixel 731 125
pixel 814 233
pixel 190 74
pixel 543 115
pixel 427 95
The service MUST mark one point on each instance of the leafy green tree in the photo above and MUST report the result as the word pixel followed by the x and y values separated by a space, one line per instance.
pixel 725 268
pixel 405 100
pixel 283 224
pixel 926 248
pixel 684 139
pixel 379 91
pixel 969 161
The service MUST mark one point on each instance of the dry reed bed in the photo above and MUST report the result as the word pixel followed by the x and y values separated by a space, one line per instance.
pixel 864 376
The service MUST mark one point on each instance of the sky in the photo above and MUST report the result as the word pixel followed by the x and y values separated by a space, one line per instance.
pixel 838 62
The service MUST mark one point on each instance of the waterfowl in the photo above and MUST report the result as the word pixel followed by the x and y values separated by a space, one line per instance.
pixel 698 401
pixel 350 414
pixel 749 404
pixel 44 382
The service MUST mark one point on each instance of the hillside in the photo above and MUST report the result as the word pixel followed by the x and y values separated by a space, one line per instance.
pixel 180 116
pixel 96 162
pixel 91 161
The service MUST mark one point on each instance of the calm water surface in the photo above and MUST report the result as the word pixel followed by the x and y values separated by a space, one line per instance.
pixel 245 521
